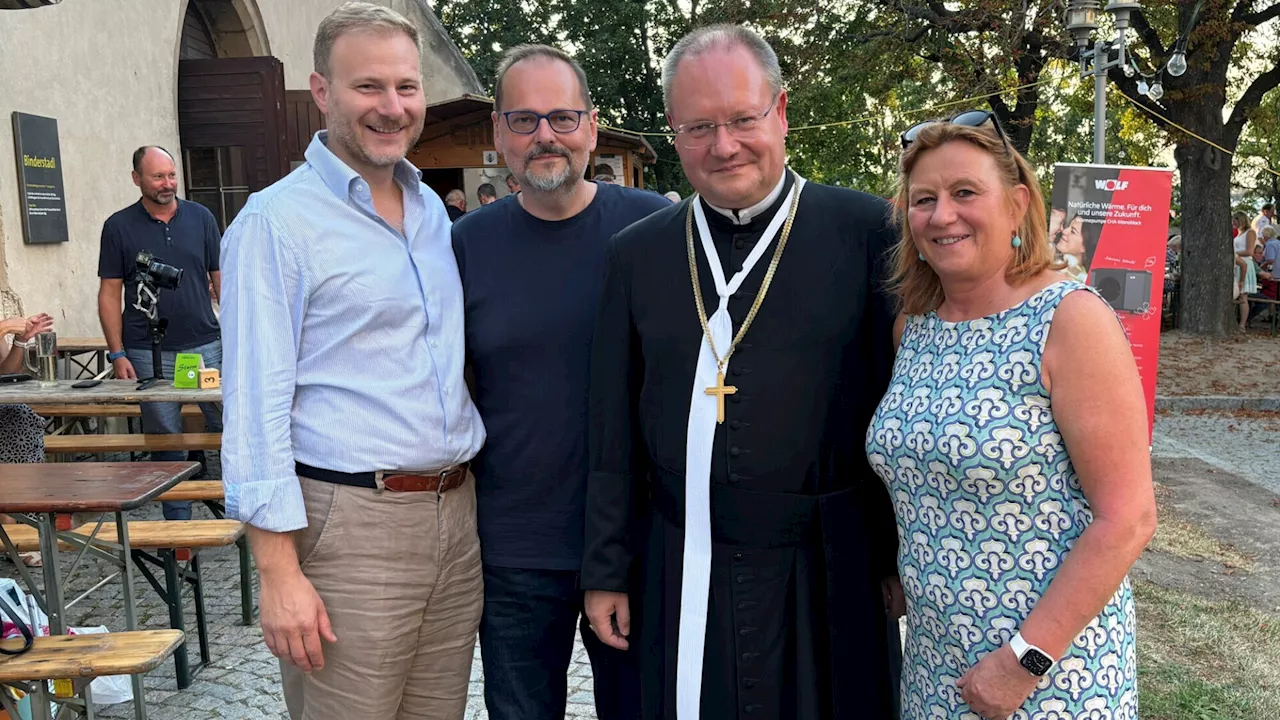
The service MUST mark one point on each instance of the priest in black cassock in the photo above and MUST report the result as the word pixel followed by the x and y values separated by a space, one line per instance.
pixel 736 537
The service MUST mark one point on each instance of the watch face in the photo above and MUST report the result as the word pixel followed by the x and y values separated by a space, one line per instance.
pixel 1036 662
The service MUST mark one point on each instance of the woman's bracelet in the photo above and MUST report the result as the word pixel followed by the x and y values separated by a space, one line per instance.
pixel 22 344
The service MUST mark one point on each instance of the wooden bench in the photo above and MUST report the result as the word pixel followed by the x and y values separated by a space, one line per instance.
pixel 97 410
pixel 81 658
pixel 131 443
pixel 210 493
pixel 88 656
pixel 164 536
pixel 194 490
pixel 144 534
pixel 1275 311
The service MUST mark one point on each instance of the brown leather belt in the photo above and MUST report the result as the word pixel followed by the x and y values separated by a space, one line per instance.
pixel 393 480
pixel 439 482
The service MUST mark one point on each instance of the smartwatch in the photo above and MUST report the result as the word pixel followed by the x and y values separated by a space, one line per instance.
pixel 1031 658
pixel 114 356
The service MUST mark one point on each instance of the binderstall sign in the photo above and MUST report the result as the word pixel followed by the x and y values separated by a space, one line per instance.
pixel 41 193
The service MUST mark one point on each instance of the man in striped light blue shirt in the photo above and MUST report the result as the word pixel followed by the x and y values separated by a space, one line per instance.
pixel 348 426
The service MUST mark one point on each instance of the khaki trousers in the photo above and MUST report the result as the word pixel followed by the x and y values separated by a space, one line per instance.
pixel 400 577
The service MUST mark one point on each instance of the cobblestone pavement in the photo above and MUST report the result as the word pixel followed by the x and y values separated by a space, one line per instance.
pixel 1239 442
pixel 243 680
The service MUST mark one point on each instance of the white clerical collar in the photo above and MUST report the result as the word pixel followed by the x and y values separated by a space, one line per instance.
pixel 744 216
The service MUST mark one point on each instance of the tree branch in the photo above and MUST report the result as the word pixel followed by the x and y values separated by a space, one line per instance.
pixel 1264 83
pixel 1148 34
pixel 938 16
pixel 909 38
pixel 1261 16
pixel 1254 18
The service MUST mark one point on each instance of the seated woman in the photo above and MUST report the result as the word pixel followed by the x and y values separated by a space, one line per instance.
pixel 1014 441
pixel 1268 287
pixel 21 430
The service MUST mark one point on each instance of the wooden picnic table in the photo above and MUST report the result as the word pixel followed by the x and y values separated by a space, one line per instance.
pixel 82 344
pixel 48 489
pixel 110 391
pixel 69 350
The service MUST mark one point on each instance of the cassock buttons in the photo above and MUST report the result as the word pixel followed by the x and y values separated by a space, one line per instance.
pixel 740 243
pixel 735 399
pixel 735 451
pixel 735 425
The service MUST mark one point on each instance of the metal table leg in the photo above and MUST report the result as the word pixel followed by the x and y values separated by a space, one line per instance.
pixel 52 575
pixel 39 701
pixel 130 612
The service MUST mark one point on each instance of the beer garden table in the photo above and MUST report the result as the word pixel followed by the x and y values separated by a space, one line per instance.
pixel 110 391
pixel 44 490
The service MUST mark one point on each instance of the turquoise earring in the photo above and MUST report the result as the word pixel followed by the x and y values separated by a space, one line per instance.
pixel 1016 241
pixel 921 256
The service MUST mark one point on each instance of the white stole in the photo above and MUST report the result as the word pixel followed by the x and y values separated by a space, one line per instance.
pixel 703 409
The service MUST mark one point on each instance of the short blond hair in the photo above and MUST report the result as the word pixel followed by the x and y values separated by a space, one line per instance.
pixel 356 17
pixel 914 281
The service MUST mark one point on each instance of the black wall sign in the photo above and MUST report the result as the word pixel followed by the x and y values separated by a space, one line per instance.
pixel 41 193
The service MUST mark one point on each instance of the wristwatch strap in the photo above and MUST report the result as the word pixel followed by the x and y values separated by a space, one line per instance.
pixel 114 356
pixel 1021 647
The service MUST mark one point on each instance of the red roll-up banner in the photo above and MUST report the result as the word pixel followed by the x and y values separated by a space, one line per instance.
pixel 1110 224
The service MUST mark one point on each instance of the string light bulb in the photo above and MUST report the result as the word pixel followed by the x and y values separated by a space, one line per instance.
pixel 1143 88
pixel 1157 91
pixel 1178 64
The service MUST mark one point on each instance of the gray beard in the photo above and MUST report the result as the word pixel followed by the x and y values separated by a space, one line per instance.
pixel 558 182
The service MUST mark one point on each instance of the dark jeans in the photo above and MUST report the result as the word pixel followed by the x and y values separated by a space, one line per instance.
pixel 166 418
pixel 526 643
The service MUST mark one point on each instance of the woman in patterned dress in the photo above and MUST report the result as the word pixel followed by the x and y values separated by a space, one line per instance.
pixel 1014 442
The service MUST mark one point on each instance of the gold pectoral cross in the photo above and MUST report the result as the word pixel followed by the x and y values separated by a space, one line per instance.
pixel 720 390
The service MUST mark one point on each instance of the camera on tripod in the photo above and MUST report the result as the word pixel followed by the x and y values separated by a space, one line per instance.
pixel 157 272
pixel 154 275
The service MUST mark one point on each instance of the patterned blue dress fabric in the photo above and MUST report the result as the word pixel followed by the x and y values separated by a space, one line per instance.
pixel 988 507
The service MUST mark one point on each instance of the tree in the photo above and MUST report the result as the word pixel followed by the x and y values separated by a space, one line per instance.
pixel 988 44
pixel 1219 49
pixel 1258 156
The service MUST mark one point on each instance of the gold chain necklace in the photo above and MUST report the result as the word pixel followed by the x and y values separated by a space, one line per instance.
pixel 720 390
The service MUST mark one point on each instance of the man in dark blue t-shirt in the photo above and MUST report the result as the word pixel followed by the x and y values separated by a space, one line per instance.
pixel 178 233
pixel 532 268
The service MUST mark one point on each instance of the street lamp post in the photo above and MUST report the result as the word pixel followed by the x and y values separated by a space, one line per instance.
pixel 1082 21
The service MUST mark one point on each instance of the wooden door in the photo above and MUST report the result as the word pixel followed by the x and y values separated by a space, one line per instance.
pixel 236 103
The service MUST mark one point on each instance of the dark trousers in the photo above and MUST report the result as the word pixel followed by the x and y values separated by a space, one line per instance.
pixel 526 644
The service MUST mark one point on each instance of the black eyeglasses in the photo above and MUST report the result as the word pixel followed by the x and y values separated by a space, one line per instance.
pixel 525 122
pixel 968 118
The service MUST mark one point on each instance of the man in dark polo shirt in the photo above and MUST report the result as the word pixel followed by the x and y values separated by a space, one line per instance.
pixel 532 268
pixel 179 233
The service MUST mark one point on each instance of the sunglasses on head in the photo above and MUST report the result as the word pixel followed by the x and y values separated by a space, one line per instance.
pixel 968 118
